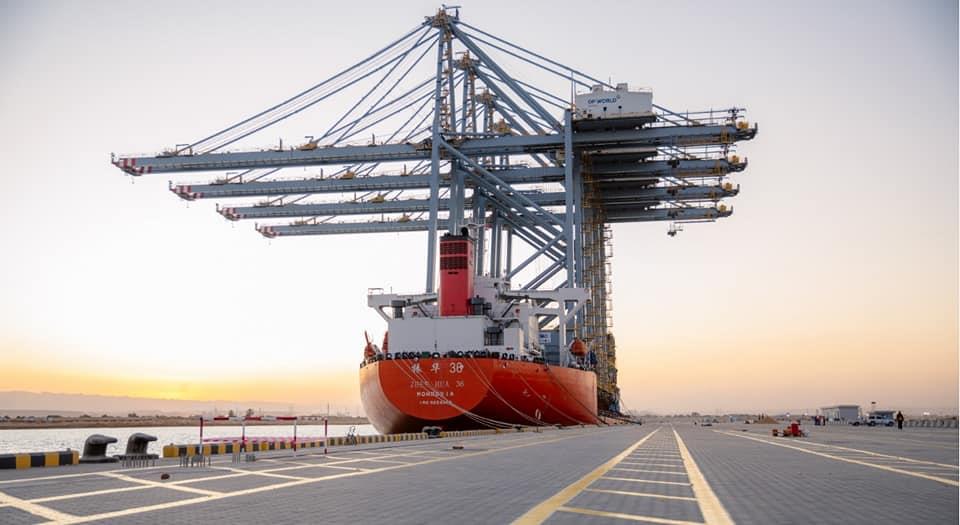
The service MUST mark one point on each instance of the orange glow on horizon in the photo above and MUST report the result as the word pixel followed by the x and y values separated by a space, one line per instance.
pixel 298 389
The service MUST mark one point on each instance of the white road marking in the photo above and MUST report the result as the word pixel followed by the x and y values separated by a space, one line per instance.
pixel 33 508
pixel 622 516
pixel 85 494
pixel 848 460
pixel 174 504
pixel 877 454
pixel 675 473
pixel 545 509
pixel 647 481
pixel 651 464
pixel 264 474
pixel 162 485
pixel 642 494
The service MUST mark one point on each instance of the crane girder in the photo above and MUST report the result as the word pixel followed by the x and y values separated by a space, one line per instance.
pixel 510 170
pixel 305 186
pixel 634 214
pixel 647 171
pixel 622 194
pixel 627 214
pixel 596 142
pixel 355 208
pixel 668 168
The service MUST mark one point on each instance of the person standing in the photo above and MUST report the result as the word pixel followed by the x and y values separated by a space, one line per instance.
pixel 899 419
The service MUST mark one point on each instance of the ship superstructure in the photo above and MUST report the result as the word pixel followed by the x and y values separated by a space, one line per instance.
pixel 457 128
pixel 474 313
pixel 472 354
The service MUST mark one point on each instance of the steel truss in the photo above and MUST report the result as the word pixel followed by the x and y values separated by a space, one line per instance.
pixel 483 136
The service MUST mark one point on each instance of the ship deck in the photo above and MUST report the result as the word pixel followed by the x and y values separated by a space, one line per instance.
pixel 672 473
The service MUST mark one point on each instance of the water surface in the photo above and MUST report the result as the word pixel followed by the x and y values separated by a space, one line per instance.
pixel 49 439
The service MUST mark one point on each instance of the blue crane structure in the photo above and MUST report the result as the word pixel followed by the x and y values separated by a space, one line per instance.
pixel 438 135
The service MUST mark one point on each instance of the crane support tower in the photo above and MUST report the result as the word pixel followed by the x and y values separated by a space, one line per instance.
pixel 450 127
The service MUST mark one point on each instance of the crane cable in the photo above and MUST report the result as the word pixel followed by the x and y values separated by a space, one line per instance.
pixel 382 80
pixel 339 77
pixel 256 124
pixel 303 100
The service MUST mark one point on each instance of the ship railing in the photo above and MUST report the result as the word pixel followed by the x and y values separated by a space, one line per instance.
pixel 708 117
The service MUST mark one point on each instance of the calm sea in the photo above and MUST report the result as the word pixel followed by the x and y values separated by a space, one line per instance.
pixel 49 439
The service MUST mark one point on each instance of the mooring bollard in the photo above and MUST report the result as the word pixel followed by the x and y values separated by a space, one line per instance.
pixel 136 454
pixel 95 449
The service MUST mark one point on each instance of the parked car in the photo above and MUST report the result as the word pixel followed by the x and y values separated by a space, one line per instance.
pixel 877 420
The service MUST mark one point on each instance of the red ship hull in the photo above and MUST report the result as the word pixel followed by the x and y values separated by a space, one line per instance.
pixel 466 393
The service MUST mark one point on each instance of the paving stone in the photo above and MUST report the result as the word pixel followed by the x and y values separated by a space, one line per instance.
pixel 237 483
pixel 42 488
pixel 497 478
pixel 89 505
pixel 13 516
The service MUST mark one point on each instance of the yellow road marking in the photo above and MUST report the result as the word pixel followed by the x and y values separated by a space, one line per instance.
pixel 622 516
pixel 848 460
pixel 710 506
pixel 33 508
pixel 546 508
pixel 675 473
pixel 647 481
pixel 278 486
pixel 644 494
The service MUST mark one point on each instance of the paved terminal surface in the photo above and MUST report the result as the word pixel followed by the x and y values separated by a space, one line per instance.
pixel 669 474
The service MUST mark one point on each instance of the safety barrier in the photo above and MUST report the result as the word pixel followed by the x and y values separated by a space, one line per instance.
pixel 40 459
pixel 253 445
pixel 931 423
pixel 173 451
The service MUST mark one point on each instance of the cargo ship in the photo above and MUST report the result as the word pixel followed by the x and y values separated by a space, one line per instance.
pixel 472 356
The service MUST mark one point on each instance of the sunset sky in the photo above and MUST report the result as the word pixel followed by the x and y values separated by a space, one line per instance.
pixel 835 281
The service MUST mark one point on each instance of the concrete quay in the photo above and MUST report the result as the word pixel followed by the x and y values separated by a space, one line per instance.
pixel 655 473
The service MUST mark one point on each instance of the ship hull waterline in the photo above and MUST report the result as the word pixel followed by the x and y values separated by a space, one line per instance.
pixel 405 395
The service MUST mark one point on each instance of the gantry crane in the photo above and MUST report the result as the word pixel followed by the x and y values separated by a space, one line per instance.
pixel 479 135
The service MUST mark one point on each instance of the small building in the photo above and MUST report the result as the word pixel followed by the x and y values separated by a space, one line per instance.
pixel 841 413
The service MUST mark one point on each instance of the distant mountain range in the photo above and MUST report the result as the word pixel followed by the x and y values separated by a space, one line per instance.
pixel 14 403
